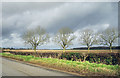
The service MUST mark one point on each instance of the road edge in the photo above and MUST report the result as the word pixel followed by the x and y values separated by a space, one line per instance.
pixel 40 66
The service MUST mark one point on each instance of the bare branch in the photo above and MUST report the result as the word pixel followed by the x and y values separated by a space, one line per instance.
pixel 108 37
pixel 64 37
pixel 88 38
pixel 35 37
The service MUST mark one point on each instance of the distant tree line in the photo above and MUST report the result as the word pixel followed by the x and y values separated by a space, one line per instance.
pixel 18 48
pixel 98 48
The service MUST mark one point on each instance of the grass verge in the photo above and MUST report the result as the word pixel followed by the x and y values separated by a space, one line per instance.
pixel 82 68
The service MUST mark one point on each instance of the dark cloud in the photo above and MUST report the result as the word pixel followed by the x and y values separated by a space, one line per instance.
pixel 18 17
pixel 11 8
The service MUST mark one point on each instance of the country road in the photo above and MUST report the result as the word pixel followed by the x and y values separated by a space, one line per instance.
pixel 13 68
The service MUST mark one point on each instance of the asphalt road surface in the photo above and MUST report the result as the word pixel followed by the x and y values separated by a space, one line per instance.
pixel 13 68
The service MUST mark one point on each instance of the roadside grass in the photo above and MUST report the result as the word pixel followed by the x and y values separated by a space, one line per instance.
pixel 82 68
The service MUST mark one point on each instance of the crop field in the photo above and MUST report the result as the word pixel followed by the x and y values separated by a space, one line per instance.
pixel 60 51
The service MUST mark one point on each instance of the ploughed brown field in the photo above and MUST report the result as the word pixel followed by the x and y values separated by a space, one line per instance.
pixel 58 51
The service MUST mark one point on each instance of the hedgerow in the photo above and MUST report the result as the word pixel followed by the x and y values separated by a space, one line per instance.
pixel 85 68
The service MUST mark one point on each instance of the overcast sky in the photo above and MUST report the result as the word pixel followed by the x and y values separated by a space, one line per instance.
pixel 17 17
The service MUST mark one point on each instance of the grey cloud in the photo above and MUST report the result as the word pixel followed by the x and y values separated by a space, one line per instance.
pixel 17 17
pixel 11 8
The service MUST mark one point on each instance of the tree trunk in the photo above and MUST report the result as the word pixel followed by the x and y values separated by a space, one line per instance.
pixel 85 57
pixel 88 49
pixel 35 51
pixel 110 48
pixel 35 48
pixel 64 50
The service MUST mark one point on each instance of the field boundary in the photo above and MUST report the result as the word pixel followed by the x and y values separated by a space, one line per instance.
pixel 60 51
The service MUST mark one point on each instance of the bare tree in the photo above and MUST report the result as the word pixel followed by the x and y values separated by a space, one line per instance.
pixel 35 37
pixel 108 37
pixel 87 38
pixel 64 38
